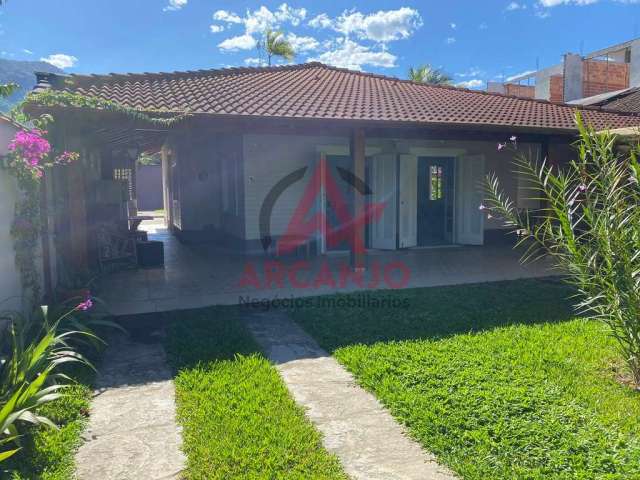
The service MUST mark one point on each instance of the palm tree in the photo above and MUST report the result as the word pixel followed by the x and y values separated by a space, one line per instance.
pixel 428 74
pixel 275 44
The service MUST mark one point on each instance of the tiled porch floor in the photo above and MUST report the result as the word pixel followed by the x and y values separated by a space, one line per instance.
pixel 203 275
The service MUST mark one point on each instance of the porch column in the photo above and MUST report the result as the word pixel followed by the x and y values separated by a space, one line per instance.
pixel 357 243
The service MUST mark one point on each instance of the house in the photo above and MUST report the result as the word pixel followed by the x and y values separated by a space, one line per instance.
pixel 271 159
pixel 578 77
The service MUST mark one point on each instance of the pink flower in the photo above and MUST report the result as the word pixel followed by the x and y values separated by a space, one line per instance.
pixel 481 207
pixel 501 146
pixel 513 138
pixel 31 147
pixel 86 305
pixel 582 187
pixel 66 157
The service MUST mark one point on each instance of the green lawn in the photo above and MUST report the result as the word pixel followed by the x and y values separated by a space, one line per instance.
pixel 238 418
pixel 498 380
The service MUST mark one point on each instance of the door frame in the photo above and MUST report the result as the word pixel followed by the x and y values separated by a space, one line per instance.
pixel 454 197
pixel 322 152
pixel 474 208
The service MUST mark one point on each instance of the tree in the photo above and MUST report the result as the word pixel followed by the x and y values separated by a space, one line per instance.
pixel 275 44
pixel 429 74
pixel 7 89
pixel 589 226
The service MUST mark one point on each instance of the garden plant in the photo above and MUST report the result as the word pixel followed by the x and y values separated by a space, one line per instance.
pixel 589 225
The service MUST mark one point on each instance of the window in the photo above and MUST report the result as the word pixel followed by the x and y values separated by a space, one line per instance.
pixel 125 175
pixel 435 182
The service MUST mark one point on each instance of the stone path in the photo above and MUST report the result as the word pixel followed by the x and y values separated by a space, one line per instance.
pixel 370 444
pixel 132 432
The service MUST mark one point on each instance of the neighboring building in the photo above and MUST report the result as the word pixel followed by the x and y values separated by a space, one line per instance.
pixel 579 76
pixel 627 100
pixel 247 156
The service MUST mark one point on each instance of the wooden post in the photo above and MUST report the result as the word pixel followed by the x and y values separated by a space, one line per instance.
pixel 357 243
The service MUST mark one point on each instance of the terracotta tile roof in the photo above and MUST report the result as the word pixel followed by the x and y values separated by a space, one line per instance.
pixel 314 90
pixel 627 101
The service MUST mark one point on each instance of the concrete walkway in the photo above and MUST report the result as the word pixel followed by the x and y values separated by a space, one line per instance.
pixel 132 432
pixel 370 444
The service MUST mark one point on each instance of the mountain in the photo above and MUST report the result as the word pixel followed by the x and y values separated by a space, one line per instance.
pixel 22 73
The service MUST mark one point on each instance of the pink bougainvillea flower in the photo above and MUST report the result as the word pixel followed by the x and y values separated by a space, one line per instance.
pixel 513 138
pixel 31 147
pixel 501 146
pixel 66 157
pixel 582 187
pixel 86 305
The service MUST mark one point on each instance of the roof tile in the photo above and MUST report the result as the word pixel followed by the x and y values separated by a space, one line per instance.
pixel 314 90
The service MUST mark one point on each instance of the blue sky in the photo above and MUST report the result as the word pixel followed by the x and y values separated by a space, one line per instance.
pixel 474 41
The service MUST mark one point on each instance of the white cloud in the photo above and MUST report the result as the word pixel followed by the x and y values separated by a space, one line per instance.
pixel 555 3
pixel 254 61
pixel 474 83
pixel 472 72
pixel 302 44
pixel 362 38
pixel 450 40
pixel 321 21
pixel 513 77
pixel 382 26
pixel 453 26
pixel 580 3
pixel 294 16
pixel 175 5
pixel 224 16
pixel 240 42
pixel 60 60
pixel 263 18
pixel 515 6
pixel 255 23
pixel 354 56
pixel 27 51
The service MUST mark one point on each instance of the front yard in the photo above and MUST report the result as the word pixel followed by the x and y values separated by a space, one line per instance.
pixel 238 417
pixel 498 380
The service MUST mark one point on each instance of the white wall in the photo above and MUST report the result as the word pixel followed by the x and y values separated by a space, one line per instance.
pixel 9 278
pixel 269 158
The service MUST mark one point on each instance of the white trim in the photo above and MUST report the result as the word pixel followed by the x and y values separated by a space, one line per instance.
pixel 322 233
pixel 333 149
pixel 436 152
pixel 344 150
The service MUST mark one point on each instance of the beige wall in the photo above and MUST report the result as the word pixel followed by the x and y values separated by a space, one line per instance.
pixel 9 279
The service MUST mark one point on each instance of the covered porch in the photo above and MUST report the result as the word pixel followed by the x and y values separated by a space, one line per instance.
pixel 205 274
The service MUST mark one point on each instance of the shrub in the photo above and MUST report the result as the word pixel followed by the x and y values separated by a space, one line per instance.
pixel 589 225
